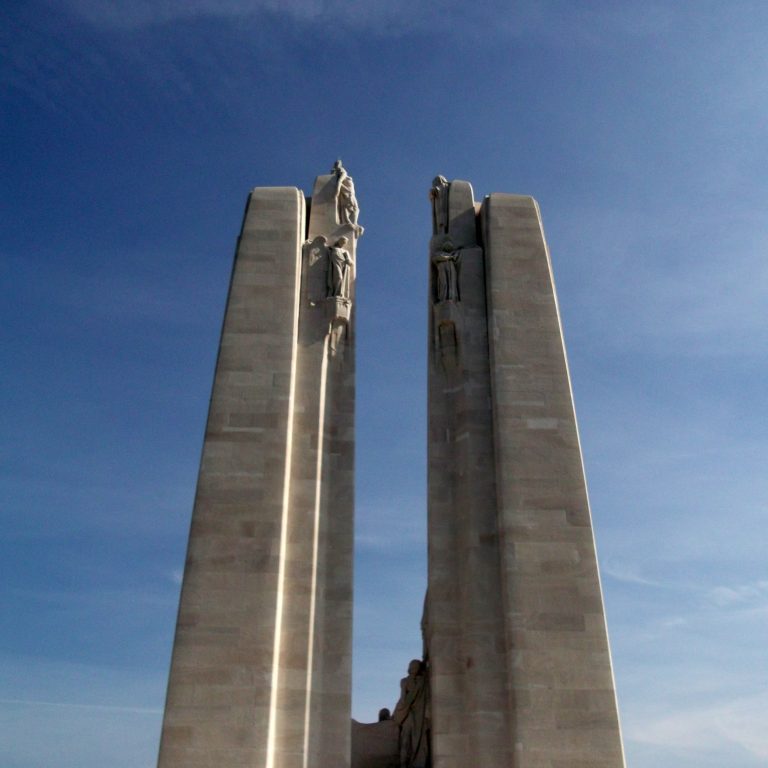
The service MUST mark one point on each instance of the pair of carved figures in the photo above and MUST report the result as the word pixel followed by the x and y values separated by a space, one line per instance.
pixel 340 265
pixel 412 715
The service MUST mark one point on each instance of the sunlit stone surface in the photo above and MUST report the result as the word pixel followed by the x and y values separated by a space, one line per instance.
pixel 261 668
pixel 520 669
pixel 517 671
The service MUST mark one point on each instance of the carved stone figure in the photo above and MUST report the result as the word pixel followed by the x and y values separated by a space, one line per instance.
pixel 439 197
pixel 446 260
pixel 346 202
pixel 339 270
pixel 412 715
pixel 316 249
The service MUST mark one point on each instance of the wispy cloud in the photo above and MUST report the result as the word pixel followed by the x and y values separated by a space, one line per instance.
pixel 739 721
pixel 545 20
pixel 75 705
pixel 385 16
pixel 69 715
pixel 628 573
pixel 741 595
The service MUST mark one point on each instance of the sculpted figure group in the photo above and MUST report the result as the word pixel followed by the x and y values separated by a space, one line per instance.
pixel 339 265
pixel 338 259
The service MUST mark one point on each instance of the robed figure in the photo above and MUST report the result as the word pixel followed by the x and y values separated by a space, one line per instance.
pixel 412 715
pixel 340 266
pixel 446 261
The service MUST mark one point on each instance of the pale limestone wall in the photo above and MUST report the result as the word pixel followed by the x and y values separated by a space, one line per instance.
pixel 560 669
pixel 314 701
pixel 261 668
pixel 464 634
pixel 514 595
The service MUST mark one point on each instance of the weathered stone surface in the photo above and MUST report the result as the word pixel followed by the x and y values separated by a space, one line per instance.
pixel 519 661
pixel 261 668
pixel 519 664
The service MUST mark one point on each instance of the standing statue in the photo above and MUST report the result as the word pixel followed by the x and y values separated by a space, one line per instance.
pixel 347 209
pixel 340 266
pixel 439 198
pixel 412 715
pixel 446 260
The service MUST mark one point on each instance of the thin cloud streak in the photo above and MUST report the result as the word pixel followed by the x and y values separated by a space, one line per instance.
pixel 740 595
pixel 627 574
pixel 550 22
pixel 385 17
pixel 75 705
pixel 739 721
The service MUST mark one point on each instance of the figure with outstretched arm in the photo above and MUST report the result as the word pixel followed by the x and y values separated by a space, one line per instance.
pixel 347 209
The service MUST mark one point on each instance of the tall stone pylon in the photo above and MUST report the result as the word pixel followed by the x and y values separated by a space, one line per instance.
pixel 261 666
pixel 519 664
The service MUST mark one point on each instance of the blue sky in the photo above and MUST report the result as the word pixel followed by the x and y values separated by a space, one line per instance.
pixel 131 133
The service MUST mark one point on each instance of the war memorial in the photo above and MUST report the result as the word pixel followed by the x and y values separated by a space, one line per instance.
pixel 516 670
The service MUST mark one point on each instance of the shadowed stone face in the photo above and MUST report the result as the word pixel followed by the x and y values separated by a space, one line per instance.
pixel 514 623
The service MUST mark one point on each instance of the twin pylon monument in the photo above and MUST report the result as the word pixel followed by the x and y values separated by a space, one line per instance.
pixel 516 671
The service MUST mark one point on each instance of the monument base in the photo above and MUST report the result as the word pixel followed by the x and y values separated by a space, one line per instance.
pixel 375 745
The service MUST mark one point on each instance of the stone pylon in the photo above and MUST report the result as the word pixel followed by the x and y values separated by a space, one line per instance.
pixel 261 667
pixel 519 663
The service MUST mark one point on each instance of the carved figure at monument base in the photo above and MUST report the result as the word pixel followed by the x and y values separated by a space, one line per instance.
pixel 412 715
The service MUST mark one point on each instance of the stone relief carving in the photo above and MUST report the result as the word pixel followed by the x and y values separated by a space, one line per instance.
pixel 347 209
pixel 316 260
pixel 340 267
pixel 316 249
pixel 412 715
pixel 329 273
pixel 438 195
pixel 337 264
pixel 446 259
